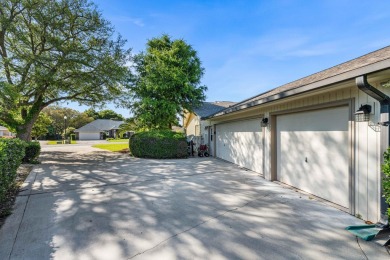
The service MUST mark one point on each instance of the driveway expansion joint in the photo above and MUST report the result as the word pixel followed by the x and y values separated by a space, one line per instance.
pixel 197 225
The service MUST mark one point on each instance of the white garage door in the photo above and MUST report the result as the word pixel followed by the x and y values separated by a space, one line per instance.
pixel 241 143
pixel 89 136
pixel 312 153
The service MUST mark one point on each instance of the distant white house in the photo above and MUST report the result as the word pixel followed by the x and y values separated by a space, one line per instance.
pixel 98 129
pixel 5 132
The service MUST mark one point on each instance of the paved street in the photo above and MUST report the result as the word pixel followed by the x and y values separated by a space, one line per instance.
pixel 85 203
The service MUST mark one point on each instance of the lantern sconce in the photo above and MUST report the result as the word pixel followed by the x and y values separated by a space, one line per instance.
pixel 264 122
pixel 363 113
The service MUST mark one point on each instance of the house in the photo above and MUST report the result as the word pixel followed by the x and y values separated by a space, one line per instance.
pixel 98 129
pixel 4 132
pixel 324 134
pixel 194 124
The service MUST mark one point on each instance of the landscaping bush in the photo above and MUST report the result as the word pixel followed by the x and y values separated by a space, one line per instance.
pixel 386 178
pixel 11 154
pixel 33 149
pixel 158 144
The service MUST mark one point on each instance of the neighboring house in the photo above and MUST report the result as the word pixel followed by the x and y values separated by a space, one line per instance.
pixel 98 129
pixel 5 132
pixel 315 135
pixel 194 124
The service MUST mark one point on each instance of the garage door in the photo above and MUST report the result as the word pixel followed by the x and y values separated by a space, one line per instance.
pixel 241 143
pixel 89 136
pixel 312 153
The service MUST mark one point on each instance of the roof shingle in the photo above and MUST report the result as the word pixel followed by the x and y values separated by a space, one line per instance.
pixel 362 61
pixel 210 108
pixel 100 125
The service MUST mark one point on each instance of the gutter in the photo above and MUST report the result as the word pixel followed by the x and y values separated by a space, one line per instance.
pixel 338 78
pixel 384 101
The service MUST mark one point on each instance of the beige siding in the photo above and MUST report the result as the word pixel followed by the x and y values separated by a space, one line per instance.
pixel 191 128
pixel 366 149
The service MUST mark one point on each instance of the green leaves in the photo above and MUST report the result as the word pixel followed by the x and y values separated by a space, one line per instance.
pixel 161 144
pixel 40 126
pixel 53 51
pixel 167 82
pixel 12 152
pixel 386 178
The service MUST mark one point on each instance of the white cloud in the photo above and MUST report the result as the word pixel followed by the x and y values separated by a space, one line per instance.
pixel 127 19
pixel 286 44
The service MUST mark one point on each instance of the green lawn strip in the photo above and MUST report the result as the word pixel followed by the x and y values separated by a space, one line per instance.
pixel 112 147
pixel 118 140
pixel 60 142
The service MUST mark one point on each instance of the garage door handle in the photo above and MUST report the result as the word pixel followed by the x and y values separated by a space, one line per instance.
pixel 305 159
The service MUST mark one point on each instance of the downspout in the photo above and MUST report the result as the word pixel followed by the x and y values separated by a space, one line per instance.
pixel 384 101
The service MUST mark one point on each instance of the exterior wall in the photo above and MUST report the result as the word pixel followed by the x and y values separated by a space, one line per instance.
pixel 364 151
pixel 191 128
pixel 5 133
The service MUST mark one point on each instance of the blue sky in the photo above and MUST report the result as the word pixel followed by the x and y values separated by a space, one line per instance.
pixel 248 47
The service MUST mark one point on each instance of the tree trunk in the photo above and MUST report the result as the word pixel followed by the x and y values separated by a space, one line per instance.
pixel 23 132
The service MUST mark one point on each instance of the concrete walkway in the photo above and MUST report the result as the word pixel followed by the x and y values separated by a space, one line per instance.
pixel 83 203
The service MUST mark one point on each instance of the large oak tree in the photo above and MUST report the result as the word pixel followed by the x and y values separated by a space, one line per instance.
pixel 55 50
pixel 166 83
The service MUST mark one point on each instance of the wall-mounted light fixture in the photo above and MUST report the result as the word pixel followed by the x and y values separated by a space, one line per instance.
pixel 264 122
pixel 363 113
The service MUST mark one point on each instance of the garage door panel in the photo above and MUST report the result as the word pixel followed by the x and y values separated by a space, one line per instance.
pixel 241 143
pixel 315 161
pixel 89 136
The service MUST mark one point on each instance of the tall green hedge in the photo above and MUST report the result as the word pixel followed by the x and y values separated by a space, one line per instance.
pixel 12 152
pixel 160 144
pixel 33 149
pixel 386 179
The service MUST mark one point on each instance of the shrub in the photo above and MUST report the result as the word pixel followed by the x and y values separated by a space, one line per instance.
pixel 386 178
pixel 162 144
pixel 11 154
pixel 33 149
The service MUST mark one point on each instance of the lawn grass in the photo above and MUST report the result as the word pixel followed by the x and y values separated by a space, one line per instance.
pixel 118 140
pixel 112 147
pixel 55 142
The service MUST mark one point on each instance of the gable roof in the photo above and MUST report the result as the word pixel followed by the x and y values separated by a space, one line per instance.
pixel 2 128
pixel 368 63
pixel 210 108
pixel 100 125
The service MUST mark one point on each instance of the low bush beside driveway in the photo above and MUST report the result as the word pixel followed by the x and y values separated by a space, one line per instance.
pixel 32 151
pixel 12 152
pixel 162 144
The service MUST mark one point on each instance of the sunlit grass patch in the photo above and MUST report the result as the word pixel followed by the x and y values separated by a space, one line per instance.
pixel 59 142
pixel 112 147
pixel 118 140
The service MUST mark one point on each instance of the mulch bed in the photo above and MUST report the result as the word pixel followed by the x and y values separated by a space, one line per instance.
pixel 6 207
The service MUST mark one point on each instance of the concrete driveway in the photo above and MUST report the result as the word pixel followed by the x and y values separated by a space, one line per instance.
pixel 84 203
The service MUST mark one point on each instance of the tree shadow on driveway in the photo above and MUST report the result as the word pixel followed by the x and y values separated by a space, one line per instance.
pixel 110 206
